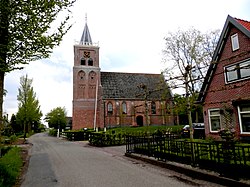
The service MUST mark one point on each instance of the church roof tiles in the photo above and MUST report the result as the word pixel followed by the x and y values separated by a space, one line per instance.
pixel 126 85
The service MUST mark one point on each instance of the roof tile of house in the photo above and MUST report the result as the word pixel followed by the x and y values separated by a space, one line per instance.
pixel 125 85
pixel 245 23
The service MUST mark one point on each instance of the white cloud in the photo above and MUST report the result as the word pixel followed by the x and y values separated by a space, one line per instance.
pixel 130 35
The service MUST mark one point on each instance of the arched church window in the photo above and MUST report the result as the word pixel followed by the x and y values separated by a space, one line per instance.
pixel 90 62
pixel 124 108
pixel 81 75
pixel 92 75
pixel 83 62
pixel 110 108
pixel 117 108
pixel 153 107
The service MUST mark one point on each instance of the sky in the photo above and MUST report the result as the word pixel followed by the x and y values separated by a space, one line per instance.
pixel 130 34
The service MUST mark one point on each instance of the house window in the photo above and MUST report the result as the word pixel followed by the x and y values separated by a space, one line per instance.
pixel 235 42
pixel 245 69
pixel 124 108
pixel 238 71
pixel 244 118
pixel 110 108
pixel 153 107
pixel 214 120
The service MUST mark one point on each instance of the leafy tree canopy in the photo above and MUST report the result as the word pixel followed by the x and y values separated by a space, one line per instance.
pixel 29 112
pixel 25 30
pixel 56 118
pixel 28 32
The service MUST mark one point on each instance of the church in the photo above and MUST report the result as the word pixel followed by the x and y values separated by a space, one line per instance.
pixel 114 99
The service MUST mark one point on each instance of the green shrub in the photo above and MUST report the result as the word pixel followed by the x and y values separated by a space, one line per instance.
pixel 103 139
pixel 53 132
pixel 10 165
pixel 4 150
pixel 176 129
pixel 13 138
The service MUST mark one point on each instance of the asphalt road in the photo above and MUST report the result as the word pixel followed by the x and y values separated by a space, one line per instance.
pixel 60 163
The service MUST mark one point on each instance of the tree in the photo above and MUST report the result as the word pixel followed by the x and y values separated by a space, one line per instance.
pixel 29 112
pixel 187 56
pixel 56 118
pixel 17 128
pixel 180 109
pixel 188 53
pixel 25 33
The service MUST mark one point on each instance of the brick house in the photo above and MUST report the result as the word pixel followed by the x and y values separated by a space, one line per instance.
pixel 109 99
pixel 225 93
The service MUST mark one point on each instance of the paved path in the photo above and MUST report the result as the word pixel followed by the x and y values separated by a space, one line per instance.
pixel 60 163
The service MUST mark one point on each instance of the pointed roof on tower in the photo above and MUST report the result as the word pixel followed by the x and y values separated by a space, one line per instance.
pixel 86 38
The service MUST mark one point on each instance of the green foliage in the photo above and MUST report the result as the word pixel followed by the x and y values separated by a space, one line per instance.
pixel 26 33
pixel 116 136
pixel 142 130
pixel 4 150
pixel 10 165
pixel 101 139
pixel 16 127
pixel 52 132
pixel 13 138
pixel 227 134
pixel 77 135
pixel 180 108
pixel 29 113
pixel 57 118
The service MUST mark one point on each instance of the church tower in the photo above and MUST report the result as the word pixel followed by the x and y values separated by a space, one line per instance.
pixel 86 83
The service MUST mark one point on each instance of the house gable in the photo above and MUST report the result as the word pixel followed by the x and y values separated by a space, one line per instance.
pixel 225 91
pixel 224 51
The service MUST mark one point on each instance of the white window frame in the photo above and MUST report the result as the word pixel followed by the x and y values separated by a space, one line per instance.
pixel 110 108
pixel 237 66
pixel 209 118
pixel 124 108
pixel 239 115
pixel 235 42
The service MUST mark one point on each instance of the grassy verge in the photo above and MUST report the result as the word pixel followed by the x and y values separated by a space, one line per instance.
pixel 10 165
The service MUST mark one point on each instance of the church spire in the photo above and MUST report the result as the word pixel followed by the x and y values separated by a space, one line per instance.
pixel 86 38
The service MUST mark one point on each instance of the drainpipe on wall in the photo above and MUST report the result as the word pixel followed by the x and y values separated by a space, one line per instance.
pixel 96 94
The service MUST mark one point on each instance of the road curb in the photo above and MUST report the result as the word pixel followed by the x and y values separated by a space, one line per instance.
pixel 190 171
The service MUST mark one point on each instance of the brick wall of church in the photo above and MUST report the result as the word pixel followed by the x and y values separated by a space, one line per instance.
pixel 134 109
pixel 85 119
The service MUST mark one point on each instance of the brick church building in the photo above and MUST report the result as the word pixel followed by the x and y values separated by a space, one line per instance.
pixel 110 99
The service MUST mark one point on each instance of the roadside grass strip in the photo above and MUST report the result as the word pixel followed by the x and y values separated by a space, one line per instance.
pixel 10 165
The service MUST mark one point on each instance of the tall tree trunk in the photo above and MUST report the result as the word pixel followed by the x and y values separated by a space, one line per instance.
pixel 1 105
pixel 1 95
pixel 4 39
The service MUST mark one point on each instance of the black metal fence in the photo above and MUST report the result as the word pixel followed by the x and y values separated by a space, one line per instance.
pixel 227 158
